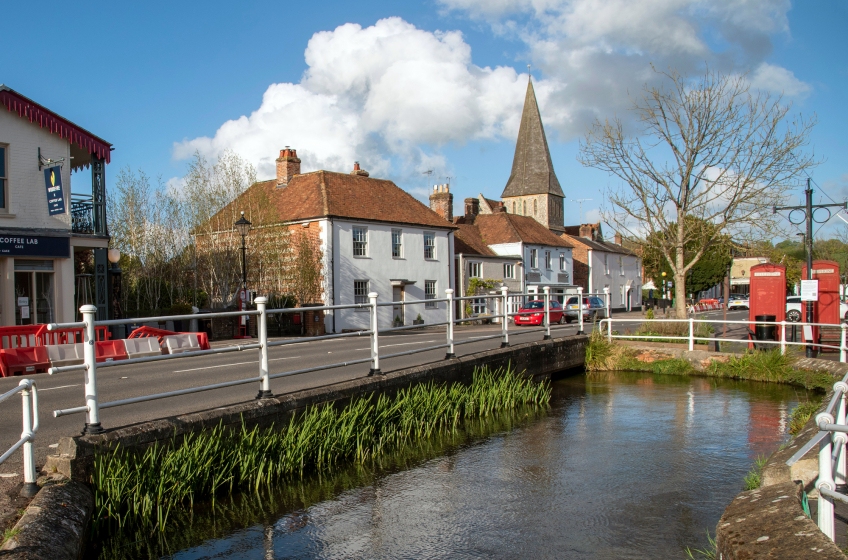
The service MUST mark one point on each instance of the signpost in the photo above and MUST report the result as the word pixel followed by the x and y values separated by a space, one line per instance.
pixel 55 195
pixel 809 290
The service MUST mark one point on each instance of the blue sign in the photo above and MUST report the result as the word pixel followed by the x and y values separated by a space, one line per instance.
pixel 19 245
pixel 55 196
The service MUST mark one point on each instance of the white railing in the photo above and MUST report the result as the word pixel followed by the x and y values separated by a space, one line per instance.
pixel 93 404
pixel 831 439
pixel 691 338
pixel 29 408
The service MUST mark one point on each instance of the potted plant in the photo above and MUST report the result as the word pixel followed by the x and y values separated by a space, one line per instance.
pixel 418 320
pixel 398 322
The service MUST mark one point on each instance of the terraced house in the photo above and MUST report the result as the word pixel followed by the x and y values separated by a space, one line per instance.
pixel 45 228
pixel 372 237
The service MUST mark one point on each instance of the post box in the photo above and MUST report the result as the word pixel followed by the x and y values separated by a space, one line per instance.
pixel 826 309
pixel 768 292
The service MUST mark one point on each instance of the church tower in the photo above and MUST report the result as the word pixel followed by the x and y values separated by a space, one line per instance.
pixel 533 188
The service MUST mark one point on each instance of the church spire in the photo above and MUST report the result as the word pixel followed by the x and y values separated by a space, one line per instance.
pixel 532 169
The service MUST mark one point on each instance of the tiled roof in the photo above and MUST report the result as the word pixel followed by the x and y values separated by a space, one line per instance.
pixel 532 168
pixel 599 245
pixel 468 241
pixel 502 227
pixel 327 194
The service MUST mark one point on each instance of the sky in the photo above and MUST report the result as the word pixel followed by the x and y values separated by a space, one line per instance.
pixel 410 87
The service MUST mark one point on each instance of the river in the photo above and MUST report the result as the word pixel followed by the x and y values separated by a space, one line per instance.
pixel 622 466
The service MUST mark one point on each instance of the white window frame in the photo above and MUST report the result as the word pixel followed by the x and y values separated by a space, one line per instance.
pixel 548 261
pixel 475 269
pixel 621 266
pixel 430 293
pixel 534 258
pixel 429 249
pixel 397 243
pixel 358 296
pixel 509 271
pixel 363 243
pixel 4 178
pixel 562 262
pixel 606 264
pixel 478 306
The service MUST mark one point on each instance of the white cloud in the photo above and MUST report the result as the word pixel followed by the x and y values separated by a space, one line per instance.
pixel 778 80
pixel 386 95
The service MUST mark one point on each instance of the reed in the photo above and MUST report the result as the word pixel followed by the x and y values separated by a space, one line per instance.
pixel 143 488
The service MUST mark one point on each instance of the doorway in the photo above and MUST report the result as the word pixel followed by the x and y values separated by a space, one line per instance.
pixel 397 308
pixel 34 298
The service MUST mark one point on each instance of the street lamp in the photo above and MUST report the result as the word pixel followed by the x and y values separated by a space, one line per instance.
pixel 114 287
pixel 243 228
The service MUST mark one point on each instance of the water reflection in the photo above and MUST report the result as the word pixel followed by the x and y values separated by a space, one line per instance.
pixel 624 466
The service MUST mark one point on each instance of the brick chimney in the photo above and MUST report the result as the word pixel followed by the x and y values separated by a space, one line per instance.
pixel 617 238
pixel 358 171
pixel 441 201
pixel 472 208
pixel 586 231
pixel 288 165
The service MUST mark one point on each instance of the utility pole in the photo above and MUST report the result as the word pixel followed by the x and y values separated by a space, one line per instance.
pixel 807 215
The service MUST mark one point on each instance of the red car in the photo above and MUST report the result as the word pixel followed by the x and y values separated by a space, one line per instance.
pixel 533 313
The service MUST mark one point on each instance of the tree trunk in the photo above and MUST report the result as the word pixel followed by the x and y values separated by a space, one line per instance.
pixel 680 295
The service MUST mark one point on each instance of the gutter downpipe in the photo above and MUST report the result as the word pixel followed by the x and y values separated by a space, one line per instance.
pixel 332 250
pixel 461 286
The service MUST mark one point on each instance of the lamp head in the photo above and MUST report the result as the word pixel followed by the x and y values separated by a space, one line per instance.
pixel 242 225
pixel 114 256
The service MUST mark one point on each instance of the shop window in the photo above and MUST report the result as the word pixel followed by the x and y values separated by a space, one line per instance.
pixel 34 292
pixel 4 177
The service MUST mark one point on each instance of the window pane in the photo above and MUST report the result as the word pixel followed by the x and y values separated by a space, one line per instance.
pixel 397 250
pixel 360 291
pixel 360 242
pixel 429 246
pixel 2 162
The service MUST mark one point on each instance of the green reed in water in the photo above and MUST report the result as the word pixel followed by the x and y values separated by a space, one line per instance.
pixel 141 488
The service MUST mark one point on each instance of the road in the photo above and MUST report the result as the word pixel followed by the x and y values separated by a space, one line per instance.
pixel 66 390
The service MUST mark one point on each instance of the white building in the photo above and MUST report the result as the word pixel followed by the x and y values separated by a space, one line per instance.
pixel 374 237
pixel 42 225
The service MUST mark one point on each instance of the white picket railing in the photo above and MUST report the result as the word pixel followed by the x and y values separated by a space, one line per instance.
pixel 93 403
pixel 29 409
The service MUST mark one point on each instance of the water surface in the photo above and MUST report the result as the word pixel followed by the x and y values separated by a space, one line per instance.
pixel 625 466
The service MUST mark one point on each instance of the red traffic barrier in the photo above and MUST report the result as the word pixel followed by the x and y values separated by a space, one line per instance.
pixel 110 350
pixel 22 361
pixel 144 331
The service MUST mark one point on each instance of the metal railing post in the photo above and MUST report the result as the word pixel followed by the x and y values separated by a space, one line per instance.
pixel 580 310
pixel 505 321
pixel 609 329
pixel 375 344
pixel 783 337
pixel 30 411
pixel 547 291
pixel 691 333
pixel 450 353
pixel 840 438
pixel 265 384
pixel 825 479
pixel 92 426
pixel 843 350
pixel 607 302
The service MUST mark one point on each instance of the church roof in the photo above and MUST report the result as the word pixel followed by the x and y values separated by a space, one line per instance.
pixel 532 169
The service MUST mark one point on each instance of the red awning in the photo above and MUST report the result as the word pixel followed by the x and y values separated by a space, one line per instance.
pixel 45 118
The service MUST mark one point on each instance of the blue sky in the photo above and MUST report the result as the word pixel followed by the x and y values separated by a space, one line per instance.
pixel 406 87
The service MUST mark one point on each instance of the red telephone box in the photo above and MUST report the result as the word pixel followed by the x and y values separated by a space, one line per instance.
pixel 768 292
pixel 826 309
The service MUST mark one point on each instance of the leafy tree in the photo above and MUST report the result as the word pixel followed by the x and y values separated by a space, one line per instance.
pixel 709 148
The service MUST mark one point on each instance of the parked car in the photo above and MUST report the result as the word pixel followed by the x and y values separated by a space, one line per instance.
pixel 533 313
pixel 795 309
pixel 593 309
pixel 737 301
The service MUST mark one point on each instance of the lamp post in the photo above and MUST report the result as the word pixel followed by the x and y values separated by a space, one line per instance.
pixel 243 228
pixel 114 256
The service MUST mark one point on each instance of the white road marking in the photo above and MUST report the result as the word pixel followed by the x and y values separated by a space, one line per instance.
pixel 60 387
pixel 8 474
pixel 235 364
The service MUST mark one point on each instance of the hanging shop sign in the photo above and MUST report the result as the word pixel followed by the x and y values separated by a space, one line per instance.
pixel 34 246
pixel 55 196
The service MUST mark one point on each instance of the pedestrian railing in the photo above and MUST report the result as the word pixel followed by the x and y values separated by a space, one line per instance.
pixel 93 403
pixel 606 326
pixel 831 439
pixel 29 408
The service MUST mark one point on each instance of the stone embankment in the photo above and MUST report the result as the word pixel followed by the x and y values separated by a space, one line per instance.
pixel 70 505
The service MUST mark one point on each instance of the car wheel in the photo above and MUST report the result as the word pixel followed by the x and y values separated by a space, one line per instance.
pixel 568 320
pixel 793 316
pixel 561 319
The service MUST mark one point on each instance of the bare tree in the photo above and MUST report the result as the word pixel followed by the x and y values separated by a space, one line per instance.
pixel 305 279
pixel 712 149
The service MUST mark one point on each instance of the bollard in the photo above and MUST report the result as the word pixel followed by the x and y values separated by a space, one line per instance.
pixel 450 353
pixel 691 333
pixel 375 348
pixel 29 406
pixel 265 384
pixel 579 309
pixel 547 290
pixel 93 425
pixel 505 321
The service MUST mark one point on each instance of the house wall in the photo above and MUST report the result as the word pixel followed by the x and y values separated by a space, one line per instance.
pixel 379 268
pixel 615 279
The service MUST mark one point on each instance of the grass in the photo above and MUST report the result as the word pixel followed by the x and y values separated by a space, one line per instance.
pixel 801 414
pixel 755 476
pixel 667 328
pixel 9 534
pixel 708 553
pixel 143 488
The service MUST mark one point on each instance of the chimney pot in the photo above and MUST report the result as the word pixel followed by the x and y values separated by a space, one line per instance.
pixel 288 165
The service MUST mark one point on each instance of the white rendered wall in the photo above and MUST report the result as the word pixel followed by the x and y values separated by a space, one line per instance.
pixel 615 280
pixel 379 268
